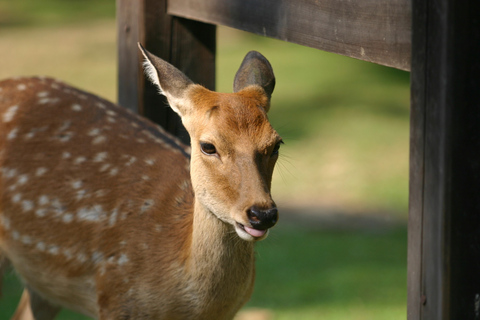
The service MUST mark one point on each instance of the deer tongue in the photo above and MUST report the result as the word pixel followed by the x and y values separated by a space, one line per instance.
pixel 254 232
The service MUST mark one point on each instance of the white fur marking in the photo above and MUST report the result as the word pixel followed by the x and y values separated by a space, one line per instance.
pixel 40 171
pixel 99 157
pixel 12 134
pixel 22 179
pixel 41 246
pixel 99 139
pixel 40 212
pixel 42 94
pixel 93 132
pixel 43 200
pixel 10 113
pixel 16 198
pixel 76 107
pixel 27 205
pixel 94 213
pixel 79 160
pixel 123 259
pixel 67 217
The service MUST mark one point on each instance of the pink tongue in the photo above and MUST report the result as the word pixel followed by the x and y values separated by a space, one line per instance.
pixel 254 232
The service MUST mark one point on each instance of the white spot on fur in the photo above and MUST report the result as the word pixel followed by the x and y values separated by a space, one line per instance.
pixel 5 222
pixel 40 171
pixel 150 162
pixel 99 157
pixel 99 139
pixel 94 213
pixel 123 259
pixel 42 94
pixel 130 161
pixel 147 204
pixel 43 200
pixel 41 212
pixel 111 113
pixel 67 217
pixel 66 155
pixel 113 217
pixel 104 167
pixel 41 246
pixel 12 134
pixel 26 240
pixel 76 107
pixel 97 257
pixel 15 235
pixel 81 194
pixel 9 173
pixel 77 184
pixel 21 87
pixel 53 250
pixel 141 140
pixel 48 100
pixel 22 179
pixel 10 113
pixel 100 105
pixel 67 253
pixel 65 125
pixel 113 171
pixel 94 132
pixel 81 257
pixel 17 198
pixel 79 160
pixel 111 120
pixel 145 177
pixel 27 205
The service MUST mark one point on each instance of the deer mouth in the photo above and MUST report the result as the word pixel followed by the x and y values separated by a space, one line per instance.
pixel 249 233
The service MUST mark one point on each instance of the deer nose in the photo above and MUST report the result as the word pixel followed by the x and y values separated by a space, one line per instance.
pixel 262 219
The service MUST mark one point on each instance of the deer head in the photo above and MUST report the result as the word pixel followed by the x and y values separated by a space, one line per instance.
pixel 234 147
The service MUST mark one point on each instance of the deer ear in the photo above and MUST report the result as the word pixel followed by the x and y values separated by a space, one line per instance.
pixel 255 70
pixel 171 82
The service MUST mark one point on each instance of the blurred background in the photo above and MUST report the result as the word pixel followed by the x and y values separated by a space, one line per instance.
pixel 339 251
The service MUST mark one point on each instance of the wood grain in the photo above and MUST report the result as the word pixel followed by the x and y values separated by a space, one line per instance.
pixel 370 30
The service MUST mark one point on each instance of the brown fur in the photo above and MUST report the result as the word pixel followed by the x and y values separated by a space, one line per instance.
pixel 99 213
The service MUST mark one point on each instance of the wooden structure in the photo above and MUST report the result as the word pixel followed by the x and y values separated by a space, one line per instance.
pixel 442 54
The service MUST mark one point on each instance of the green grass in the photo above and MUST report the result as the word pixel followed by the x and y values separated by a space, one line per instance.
pixel 345 124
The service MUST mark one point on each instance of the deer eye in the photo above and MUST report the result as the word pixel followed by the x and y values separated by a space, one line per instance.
pixel 276 148
pixel 208 148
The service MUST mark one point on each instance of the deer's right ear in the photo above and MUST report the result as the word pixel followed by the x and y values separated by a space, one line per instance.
pixel 171 82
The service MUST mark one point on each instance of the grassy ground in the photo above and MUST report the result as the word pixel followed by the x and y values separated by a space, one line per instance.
pixel 345 123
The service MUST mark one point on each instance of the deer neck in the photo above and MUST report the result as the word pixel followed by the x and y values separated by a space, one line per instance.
pixel 218 256
pixel 215 240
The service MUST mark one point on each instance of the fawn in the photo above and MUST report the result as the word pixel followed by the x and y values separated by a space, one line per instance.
pixel 105 213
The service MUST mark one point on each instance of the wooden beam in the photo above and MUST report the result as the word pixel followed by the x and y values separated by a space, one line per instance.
pixel 444 226
pixel 371 30
pixel 188 45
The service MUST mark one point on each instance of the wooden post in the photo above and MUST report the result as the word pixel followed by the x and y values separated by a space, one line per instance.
pixel 187 44
pixel 444 222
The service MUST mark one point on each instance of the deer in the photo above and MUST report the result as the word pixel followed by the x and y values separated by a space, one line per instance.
pixel 105 213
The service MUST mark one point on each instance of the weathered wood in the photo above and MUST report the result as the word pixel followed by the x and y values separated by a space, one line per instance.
pixel 189 45
pixel 444 226
pixel 371 30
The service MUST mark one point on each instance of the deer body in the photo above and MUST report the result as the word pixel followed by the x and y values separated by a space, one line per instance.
pixel 100 213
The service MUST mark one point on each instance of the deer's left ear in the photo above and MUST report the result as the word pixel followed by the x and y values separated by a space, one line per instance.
pixel 255 70
pixel 171 82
